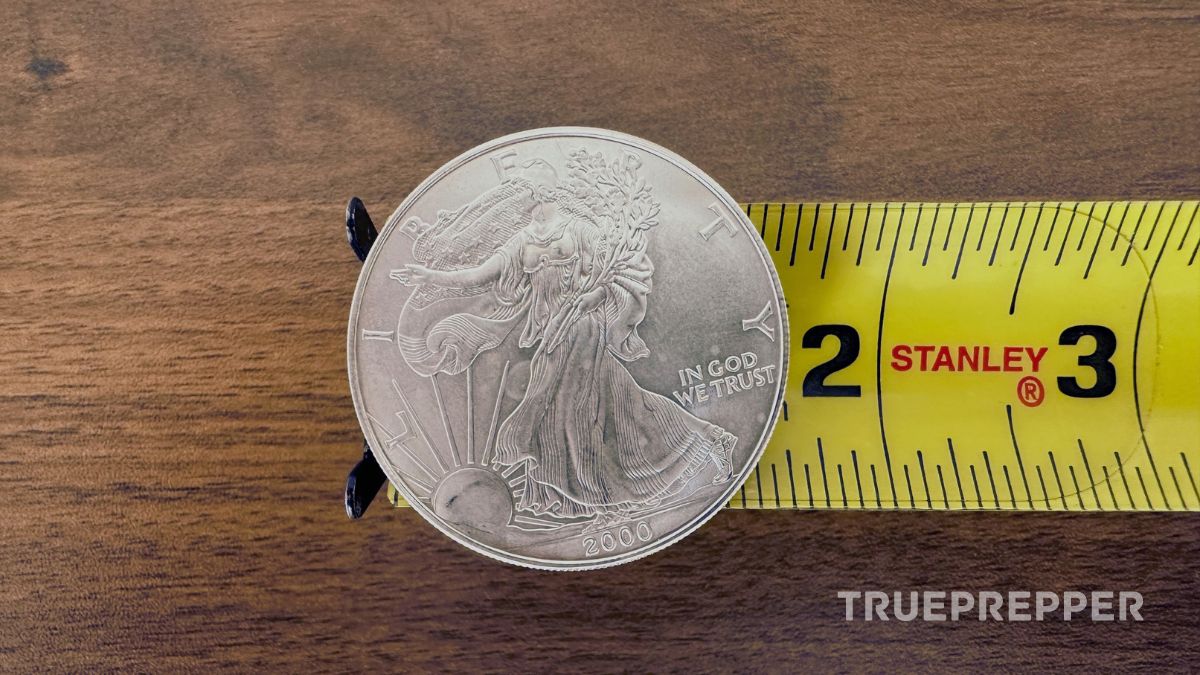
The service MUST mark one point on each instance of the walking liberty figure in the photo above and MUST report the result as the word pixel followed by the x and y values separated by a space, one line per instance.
pixel 564 262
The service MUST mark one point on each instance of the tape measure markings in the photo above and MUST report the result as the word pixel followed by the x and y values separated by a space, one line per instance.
pixel 1012 304
pixel 1188 471
pixel 1185 234
pixel 1092 259
pixel 887 458
pixel 1137 334
pixel 1006 230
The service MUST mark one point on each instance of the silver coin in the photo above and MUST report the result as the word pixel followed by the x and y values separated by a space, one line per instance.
pixel 567 348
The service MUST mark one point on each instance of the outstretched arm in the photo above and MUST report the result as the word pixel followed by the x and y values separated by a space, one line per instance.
pixel 414 275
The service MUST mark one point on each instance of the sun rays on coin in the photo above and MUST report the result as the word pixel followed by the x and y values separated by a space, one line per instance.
pixel 466 490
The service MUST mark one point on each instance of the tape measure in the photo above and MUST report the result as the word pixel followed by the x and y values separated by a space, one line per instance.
pixel 1020 356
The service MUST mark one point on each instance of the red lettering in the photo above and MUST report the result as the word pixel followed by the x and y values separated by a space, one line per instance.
pixel 968 359
pixel 963 358
pixel 988 366
pixel 924 350
pixel 1012 359
pixel 1035 356
pixel 943 360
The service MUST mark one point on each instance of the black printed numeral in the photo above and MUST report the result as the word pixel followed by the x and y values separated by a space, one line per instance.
pixel 1098 361
pixel 814 381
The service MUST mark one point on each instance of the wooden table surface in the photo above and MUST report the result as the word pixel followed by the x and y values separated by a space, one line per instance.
pixel 175 424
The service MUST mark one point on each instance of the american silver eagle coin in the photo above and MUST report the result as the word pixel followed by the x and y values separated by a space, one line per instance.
pixel 567 348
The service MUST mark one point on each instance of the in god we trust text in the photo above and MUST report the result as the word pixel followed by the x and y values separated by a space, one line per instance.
pixel 722 377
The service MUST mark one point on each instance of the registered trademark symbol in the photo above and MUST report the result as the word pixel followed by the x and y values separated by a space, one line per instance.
pixel 1030 391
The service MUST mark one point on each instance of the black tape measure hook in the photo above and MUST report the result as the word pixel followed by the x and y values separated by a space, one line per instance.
pixel 366 478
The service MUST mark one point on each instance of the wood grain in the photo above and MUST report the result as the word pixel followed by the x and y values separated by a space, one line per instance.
pixel 175 424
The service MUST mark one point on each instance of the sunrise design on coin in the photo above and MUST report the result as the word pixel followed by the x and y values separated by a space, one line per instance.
pixel 532 348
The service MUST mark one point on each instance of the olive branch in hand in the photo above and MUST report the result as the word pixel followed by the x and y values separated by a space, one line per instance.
pixel 621 202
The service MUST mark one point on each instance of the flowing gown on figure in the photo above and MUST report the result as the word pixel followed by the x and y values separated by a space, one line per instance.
pixel 593 441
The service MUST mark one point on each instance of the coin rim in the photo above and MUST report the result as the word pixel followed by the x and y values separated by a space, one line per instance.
pixel 678 533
